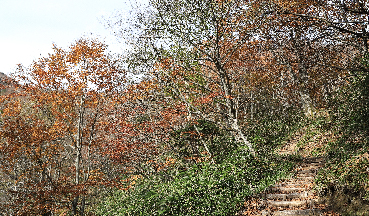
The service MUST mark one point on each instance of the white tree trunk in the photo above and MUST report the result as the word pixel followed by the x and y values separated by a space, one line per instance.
pixel 240 137
pixel 307 105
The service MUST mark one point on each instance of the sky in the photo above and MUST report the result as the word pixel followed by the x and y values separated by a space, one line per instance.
pixel 29 28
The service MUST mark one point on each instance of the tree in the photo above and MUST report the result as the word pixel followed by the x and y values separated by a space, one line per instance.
pixel 191 47
pixel 50 128
pixel 347 18
pixel 140 123
pixel 312 57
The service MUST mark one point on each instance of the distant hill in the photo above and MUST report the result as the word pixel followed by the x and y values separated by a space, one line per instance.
pixel 5 85
pixel 3 77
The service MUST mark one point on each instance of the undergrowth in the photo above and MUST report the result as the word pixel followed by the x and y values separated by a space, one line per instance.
pixel 204 189
pixel 208 188
pixel 346 171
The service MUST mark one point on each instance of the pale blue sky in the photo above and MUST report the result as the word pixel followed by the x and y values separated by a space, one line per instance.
pixel 28 28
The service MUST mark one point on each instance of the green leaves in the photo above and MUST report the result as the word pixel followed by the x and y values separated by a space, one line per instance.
pixel 204 189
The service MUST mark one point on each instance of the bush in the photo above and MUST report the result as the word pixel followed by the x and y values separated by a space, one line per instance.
pixel 189 143
pixel 271 129
pixel 204 189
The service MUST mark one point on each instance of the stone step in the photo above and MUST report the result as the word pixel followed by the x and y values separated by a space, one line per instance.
pixel 309 174
pixel 295 193
pixel 311 166
pixel 288 196
pixel 287 189
pixel 302 182
pixel 308 161
pixel 313 171
pixel 290 184
pixel 295 180
pixel 306 178
pixel 293 212
pixel 300 203
pixel 314 160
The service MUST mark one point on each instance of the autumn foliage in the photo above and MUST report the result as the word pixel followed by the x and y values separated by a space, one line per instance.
pixel 77 124
pixel 51 127
pixel 73 125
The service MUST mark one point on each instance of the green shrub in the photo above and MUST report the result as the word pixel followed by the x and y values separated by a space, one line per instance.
pixel 350 174
pixel 188 142
pixel 270 130
pixel 204 189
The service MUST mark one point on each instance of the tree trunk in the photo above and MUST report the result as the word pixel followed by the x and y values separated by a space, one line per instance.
pixel 78 148
pixel 74 205
pixel 232 109
pixel 303 76
pixel 83 204
pixel 77 165
pixel 240 137
pixel 307 104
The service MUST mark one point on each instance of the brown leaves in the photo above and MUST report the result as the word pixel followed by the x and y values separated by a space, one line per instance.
pixel 51 121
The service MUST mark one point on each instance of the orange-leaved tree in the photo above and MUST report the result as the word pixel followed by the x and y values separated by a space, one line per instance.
pixel 140 124
pixel 50 128
pixel 316 43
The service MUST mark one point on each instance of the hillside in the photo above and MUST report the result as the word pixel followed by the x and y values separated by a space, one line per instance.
pixel 242 107
pixel 3 77
pixel 5 84
pixel 322 183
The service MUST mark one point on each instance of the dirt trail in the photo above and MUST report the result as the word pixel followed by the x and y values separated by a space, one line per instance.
pixel 294 196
